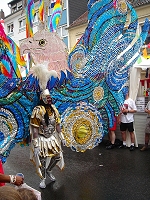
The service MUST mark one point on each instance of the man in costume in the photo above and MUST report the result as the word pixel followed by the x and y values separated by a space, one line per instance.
pixel 46 138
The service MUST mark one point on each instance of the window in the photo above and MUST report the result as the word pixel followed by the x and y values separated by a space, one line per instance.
pixel 59 31
pixel 10 28
pixel 19 5
pixel 64 31
pixel 51 7
pixel 22 24
pixel 13 9
pixel 64 4
pixel 50 11
pixel 35 19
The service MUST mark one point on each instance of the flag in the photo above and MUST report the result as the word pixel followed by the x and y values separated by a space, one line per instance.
pixel 30 12
pixel 139 60
pixel 144 53
pixel 41 10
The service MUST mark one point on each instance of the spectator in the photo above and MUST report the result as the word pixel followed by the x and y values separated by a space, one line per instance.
pixel 147 128
pixel 112 135
pixel 4 178
pixel 16 180
pixel 9 193
pixel 27 194
pixel 126 119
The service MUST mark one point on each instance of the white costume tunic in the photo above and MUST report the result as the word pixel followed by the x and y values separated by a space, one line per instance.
pixel 48 140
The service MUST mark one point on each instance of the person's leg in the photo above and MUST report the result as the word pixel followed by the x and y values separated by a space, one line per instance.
pixel 147 135
pixel 51 165
pixel 146 139
pixel 123 133
pixel 123 128
pixel 109 137
pixel 43 170
pixel 112 131
pixel 112 137
pixel 145 147
pixel 132 136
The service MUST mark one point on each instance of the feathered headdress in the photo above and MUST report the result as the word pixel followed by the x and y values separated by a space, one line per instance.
pixel 41 72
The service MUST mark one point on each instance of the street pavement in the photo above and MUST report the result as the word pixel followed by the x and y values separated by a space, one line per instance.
pixel 96 174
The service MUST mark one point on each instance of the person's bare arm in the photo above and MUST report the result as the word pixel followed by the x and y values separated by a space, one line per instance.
pixel 4 178
pixel 16 180
pixel 131 111
pixel 147 111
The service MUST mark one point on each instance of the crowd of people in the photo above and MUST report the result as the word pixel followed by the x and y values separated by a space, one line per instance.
pixel 125 119
pixel 126 122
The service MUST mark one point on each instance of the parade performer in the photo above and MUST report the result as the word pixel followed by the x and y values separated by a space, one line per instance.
pixel 46 138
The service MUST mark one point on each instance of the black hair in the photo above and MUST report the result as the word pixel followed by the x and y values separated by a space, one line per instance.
pixel 46 117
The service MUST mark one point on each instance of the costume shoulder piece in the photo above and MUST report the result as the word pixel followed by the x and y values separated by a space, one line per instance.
pixel 37 116
pixel 38 112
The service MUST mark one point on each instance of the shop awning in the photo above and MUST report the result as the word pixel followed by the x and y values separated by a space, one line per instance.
pixel 142 63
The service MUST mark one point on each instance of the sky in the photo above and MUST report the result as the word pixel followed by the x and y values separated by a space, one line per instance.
pixel 4 6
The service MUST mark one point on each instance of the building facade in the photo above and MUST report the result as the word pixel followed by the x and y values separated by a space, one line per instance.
pixel 15 22
pixel 77 28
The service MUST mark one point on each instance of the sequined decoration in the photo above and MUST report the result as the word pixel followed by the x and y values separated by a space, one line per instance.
pixel 98 93
pixel 100 64
pixel 77 61
pixel 122 6
pixel 9 127
pixel 15 109
pixel 82 127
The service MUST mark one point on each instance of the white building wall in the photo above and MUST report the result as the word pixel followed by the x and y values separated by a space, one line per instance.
pixel 18 34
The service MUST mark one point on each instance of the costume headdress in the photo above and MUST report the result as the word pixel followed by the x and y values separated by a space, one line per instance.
pixel 44 94
pixel 41 72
